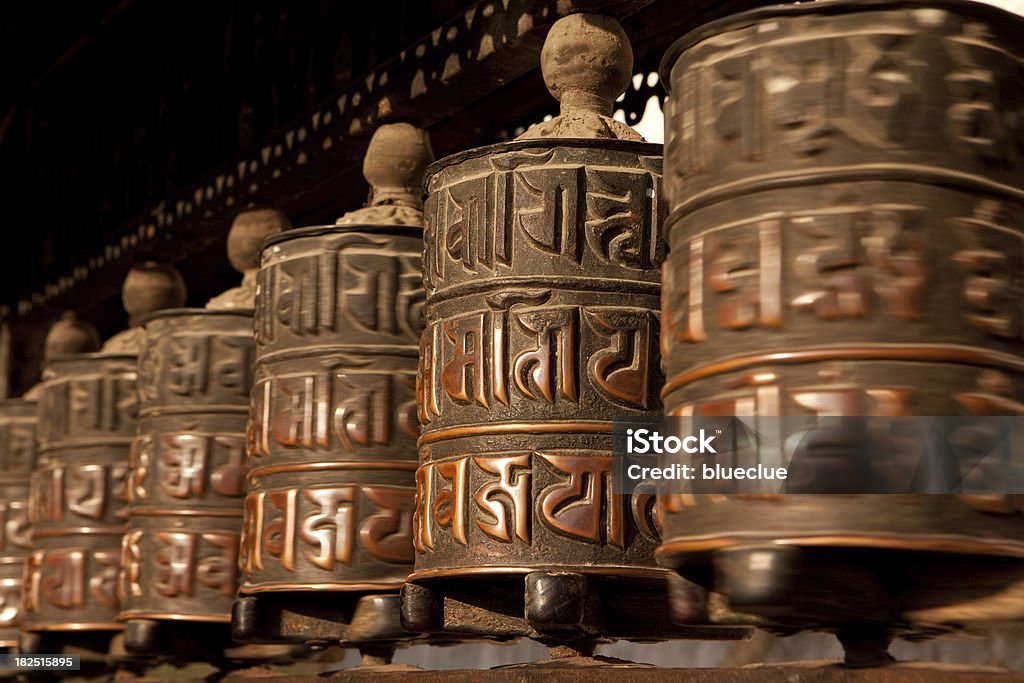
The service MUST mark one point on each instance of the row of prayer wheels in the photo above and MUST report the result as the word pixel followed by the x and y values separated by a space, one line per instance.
pixel 398 429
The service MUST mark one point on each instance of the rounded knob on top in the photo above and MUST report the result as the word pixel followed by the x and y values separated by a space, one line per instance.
pixel 248 231
pixel 394 164
pixel 587 62
pixel 151 287
pixel 69 335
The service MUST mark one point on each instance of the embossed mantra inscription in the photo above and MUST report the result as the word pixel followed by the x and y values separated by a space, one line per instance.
pixel 180 554
pixel 542 323
pixel 78 500
pixel 17 456
pixel 332 438
pixel 845 238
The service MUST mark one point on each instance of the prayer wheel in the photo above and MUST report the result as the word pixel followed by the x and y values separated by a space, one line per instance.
pixel 846 210
pixel 326 541
pixel 180 553
pixel 17 457
pixel 542 293
pixel 78 501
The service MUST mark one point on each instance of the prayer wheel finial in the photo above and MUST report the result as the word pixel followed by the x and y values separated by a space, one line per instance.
pixel 149 287
pixel 70 335
pixel 587 62
pixel 248 231
pixel 398 155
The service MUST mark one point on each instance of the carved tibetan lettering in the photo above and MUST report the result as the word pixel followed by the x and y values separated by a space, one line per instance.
pixel 300 296
pixel 858 253
pixel 303 421
pixel 228 478
pixel 505 502
pixel 277 536
pixel 464 376
pixel 472 215
pixel 140 459
pixel 183 462
pixel 423 538
pixel 15 528
pixel 33 580
pixel 574 507
pixel 379 291
pixel 102 403
pixel 623 370
pixel 990 257
pixel 387 535
pixel 131 564
pixel 450 500
pixel 331 526
pixel 189 365
pixel 86 491
pixel 619 222
pixel 219 571
pixel 10 602
pixel 744 271
pixel 547 209
pixel 364 419
pixel 250 547
pixel 63 580
pixel 550 369
pixel 232 366
pixel 103 583
pixel 175 560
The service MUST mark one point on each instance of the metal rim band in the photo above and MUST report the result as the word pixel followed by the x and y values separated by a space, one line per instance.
pixel 170 616
pixel 741 20
pixel 401 465
pixel 607 571
pixel 255 589
pixel 577 427
pixel 933 543
pixel 79 626
pixel 879 171
pixel 925 353
pixel 148 511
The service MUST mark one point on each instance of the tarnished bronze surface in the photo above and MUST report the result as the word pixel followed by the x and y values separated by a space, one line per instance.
pixel 541 273
pixel 332 439
pixel 17 457
pixel 87 413
pixel 846 209
pixel 180 553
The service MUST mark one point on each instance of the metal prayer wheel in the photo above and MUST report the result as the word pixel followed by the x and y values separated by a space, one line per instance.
pixel 541 273
pixel 17 457
pixel 87 413
pixel 180 553
pixel 327 541
pixel 843 181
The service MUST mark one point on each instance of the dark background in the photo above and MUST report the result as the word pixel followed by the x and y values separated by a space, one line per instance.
pixel 133 130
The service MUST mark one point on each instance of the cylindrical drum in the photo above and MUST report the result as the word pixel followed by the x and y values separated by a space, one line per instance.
pixel 541 272
pixel 180 553
pixel 87 416
pixel 846 216
pixel 331 442
pixel 542 297
pixel 17 457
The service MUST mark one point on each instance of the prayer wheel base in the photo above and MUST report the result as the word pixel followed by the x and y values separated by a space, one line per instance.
pixel 171 640
pixel 863 595
pixel 597 671
pixel 319 619
pixel 550 607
